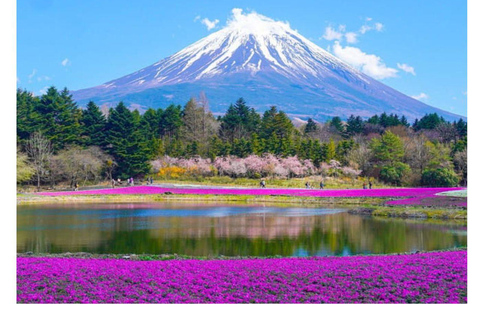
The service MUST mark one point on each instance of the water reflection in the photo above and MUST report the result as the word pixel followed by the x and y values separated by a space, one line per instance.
pixel 203 230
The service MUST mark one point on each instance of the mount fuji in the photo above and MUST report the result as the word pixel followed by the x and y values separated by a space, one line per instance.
pixel 265 62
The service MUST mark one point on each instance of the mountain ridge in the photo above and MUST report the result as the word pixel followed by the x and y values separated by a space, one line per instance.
pixel 265 62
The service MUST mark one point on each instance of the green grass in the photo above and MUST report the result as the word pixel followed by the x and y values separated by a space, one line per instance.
pixel 412 212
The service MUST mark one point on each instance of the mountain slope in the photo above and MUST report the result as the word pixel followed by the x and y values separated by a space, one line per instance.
pixel 265 62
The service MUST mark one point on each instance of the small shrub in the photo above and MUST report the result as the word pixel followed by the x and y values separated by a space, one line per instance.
pixel 439 177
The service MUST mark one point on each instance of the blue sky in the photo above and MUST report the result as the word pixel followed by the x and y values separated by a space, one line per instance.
pixel 416 47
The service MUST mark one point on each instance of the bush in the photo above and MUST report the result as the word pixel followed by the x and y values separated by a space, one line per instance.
pixel 439 177
pixel 396 173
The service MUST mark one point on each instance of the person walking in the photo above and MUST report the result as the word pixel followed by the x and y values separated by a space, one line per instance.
pixel 262 183
pixel 370 184
pixel 113 183
pixel 322 185
pixel 76 186
pixel 364 185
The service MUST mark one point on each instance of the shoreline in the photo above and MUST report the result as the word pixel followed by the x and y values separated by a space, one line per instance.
pixel 174 256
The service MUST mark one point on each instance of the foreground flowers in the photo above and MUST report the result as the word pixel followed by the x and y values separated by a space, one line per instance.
pixel 438 277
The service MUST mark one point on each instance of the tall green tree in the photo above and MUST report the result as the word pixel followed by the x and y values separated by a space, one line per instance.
pixel 60 118
pixel 28 119
pixel 126 143
pixel 93 124
pixel 240 121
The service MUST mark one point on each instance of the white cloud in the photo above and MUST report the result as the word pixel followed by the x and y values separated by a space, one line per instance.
pixel 196 18
pixel 331 34
pixel 369 64
pixel 364 29
pixel 43 78
pixel 209 23
pixel 65 62
pixel 368 19
pixel 342 28
pixel 43 90
pixel 31 75
pixel 379 26
pixel 351 37
pixel 405 67
pixel 421 96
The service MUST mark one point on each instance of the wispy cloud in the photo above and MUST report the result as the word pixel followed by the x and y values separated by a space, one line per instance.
pixel 43 90
pixel 31 75
pixel 43 78
pixel 369 64
pixel 65 62
pixel 332 34
pixel 364 29
pixel 351 37
pixel 209 23
pixel 420 96
pixel 378 26
pixel 405 67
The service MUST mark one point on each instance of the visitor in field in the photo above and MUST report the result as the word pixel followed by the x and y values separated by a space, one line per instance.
pixel 322 185
pixel 370 184
pixel 113 183
pixel 364 185
pixel 262 183
pixel 76 186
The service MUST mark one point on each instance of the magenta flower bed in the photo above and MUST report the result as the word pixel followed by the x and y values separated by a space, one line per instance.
pixel 439 277
pixel 400 192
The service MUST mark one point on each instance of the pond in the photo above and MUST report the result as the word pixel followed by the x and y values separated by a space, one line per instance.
pixel 197 229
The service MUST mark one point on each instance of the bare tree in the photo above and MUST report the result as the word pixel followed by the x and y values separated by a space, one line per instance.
pixel 199 122
pixel 360 158
pixel 39 149
pixel 84 164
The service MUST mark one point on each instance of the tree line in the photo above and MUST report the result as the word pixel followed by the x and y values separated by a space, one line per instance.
pixel 59 141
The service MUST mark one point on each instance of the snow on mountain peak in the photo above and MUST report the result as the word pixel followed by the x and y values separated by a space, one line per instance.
pixel 249 43
pixel 255 24
pixel 267 63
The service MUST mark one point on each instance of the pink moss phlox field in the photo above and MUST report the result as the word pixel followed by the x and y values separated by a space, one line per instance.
pixel 436 277
pixel 400 192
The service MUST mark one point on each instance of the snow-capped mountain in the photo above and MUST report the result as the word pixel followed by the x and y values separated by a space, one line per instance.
pixel 265 62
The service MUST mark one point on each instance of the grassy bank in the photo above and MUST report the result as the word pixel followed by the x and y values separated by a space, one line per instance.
pixel 122 198
pixel 411 212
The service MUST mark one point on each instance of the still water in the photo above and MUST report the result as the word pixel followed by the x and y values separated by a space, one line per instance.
pixel 219 229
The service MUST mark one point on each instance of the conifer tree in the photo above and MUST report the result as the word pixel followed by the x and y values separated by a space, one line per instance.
pixel 93 126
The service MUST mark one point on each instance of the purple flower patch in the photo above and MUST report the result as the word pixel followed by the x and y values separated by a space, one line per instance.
pixel 436 277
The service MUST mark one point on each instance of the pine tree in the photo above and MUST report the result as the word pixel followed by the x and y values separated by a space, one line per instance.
pixel 310 127
pixel 28 118
pixel 126 143
pixel 330 150
pixel 93 124
pixel 60 118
